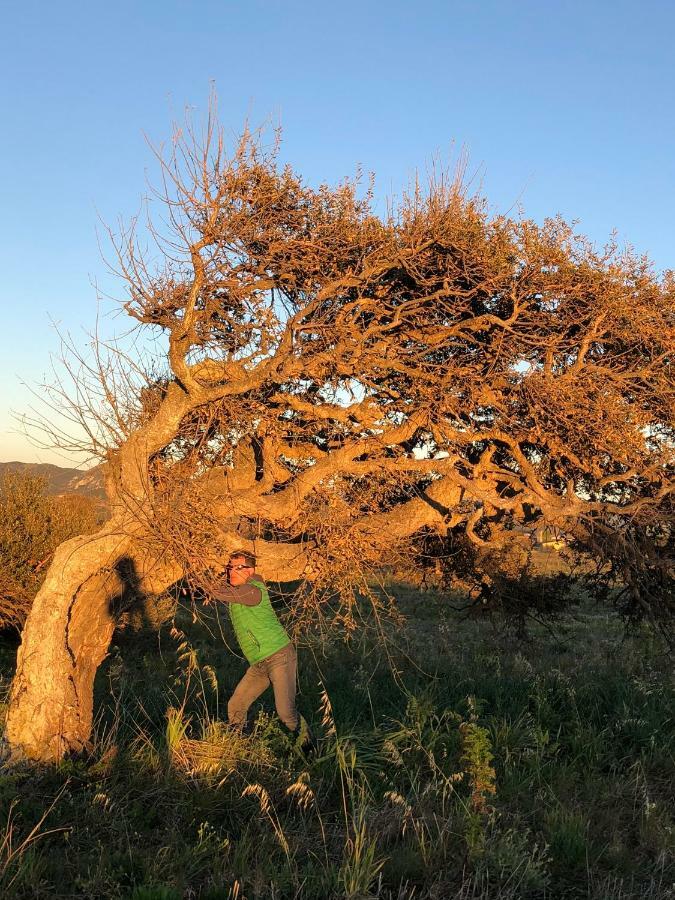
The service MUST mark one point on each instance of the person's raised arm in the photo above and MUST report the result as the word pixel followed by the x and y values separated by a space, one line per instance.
pixel 247 594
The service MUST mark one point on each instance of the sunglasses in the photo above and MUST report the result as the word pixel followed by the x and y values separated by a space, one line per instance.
pixel 237 568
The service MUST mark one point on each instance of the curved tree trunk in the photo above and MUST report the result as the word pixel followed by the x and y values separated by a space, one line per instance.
pixel 69 627
pixel 66 637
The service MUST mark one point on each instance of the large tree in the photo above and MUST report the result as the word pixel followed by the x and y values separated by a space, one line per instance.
pixel 338 383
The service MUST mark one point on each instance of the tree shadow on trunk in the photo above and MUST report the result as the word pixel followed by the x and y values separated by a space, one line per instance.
pixel 133 609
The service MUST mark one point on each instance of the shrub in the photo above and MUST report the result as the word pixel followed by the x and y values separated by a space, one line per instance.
pixel 32 525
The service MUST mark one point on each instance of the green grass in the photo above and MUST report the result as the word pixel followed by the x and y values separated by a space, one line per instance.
pixel 453 763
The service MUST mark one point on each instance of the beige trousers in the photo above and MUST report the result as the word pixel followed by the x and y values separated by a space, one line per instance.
pixel 279 670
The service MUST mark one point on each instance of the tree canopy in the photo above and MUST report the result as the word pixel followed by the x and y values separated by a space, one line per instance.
pixel 339 380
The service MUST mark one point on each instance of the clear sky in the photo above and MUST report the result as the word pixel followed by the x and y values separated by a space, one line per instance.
pixel 563 107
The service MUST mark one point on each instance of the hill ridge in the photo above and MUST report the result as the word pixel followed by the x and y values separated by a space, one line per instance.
pixel 62 479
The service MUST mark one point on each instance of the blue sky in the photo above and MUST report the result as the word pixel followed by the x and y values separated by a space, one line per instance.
pixel 563 107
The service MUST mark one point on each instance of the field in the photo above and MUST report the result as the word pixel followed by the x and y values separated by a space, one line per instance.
pixel 453 762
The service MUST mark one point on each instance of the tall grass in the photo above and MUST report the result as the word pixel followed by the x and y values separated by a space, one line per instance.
pixel 481 769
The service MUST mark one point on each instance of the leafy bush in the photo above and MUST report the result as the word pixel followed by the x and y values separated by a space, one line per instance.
pixel 32 525
pixel 517 582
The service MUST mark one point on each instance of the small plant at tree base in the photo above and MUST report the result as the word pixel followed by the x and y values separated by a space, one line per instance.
pixel 477 757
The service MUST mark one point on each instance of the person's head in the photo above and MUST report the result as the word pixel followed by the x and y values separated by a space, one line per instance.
pixel 240 567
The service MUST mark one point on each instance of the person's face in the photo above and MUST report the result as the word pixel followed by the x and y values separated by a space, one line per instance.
pixel 238 571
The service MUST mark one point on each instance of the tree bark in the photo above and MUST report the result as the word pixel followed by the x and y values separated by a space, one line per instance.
pixel 65 639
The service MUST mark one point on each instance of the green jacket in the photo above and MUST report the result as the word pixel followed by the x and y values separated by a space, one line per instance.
pixel 257 628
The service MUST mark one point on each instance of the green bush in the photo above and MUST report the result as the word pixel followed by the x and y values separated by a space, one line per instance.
pixel 32 525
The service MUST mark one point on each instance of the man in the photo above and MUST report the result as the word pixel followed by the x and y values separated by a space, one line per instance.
pixel 264 642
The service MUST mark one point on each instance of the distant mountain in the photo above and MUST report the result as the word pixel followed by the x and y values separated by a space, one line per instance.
pixel 61 480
